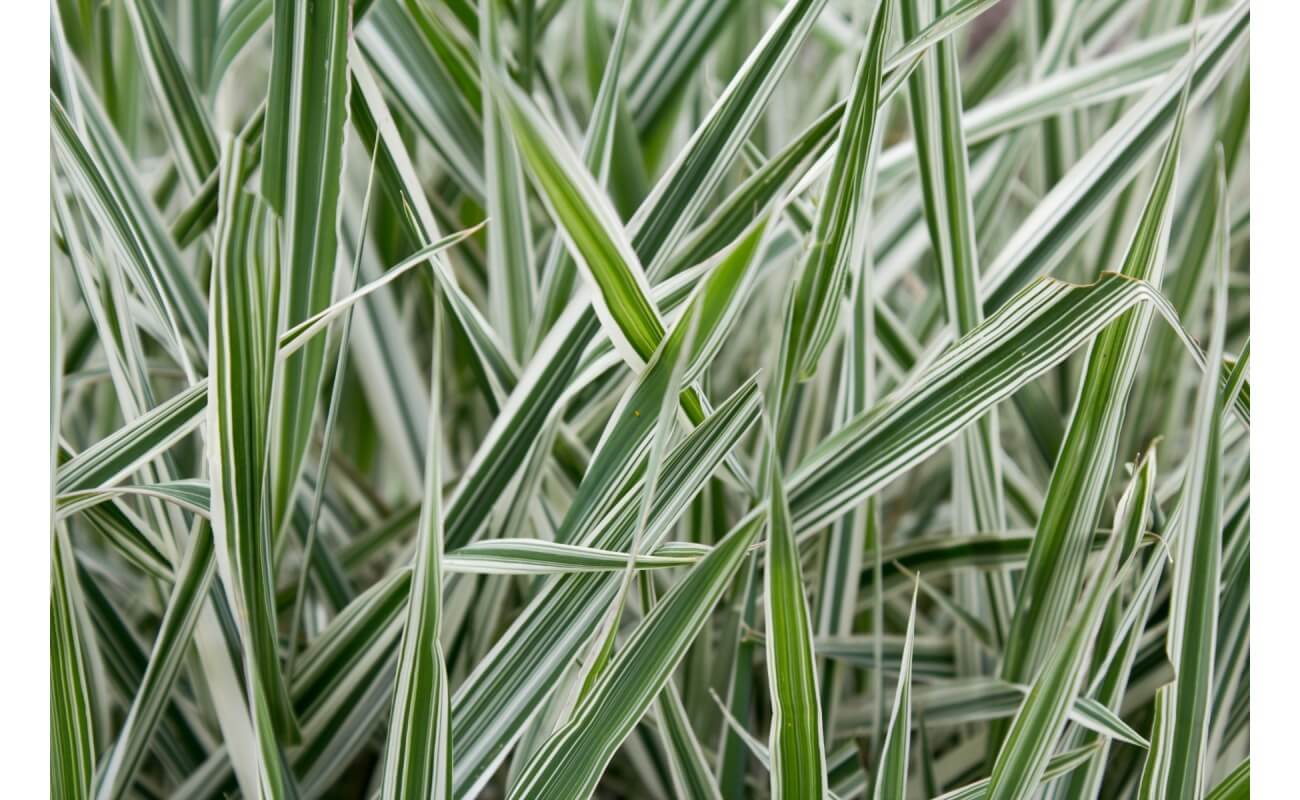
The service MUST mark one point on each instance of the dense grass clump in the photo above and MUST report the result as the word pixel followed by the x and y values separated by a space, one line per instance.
pixel 650 399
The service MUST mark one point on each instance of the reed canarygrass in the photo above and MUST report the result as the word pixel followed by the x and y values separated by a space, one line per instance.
pixel 650 398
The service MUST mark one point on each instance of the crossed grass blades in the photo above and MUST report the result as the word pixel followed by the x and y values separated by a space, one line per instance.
pixel 654 399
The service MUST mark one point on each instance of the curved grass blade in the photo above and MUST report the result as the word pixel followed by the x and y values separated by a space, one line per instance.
pixel 936 105
pixel 1119 74
pixel 130 539
pixel 669 55
pixel 106 183
pixel 178 746
pixel 189 494
pixel 687 184
pixel 932 658
pixel 108 461
pixel 597 152
pixel 538 557
pixel 980 699
pixel 240 22
pixel 740 207
pixel 1196 251
pixel 688 766
pixel 397 42
pixel 937 555
pixel 122 452
pixel 591 227
pixel 297 336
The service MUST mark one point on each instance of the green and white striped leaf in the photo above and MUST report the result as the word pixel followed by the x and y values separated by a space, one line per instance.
pixel 72 731
pixel 688 766
pixel 679 195
pixel 798 751
pixel 103 179
pixel 299 335
pixel 839 236
pixel 538 557
pixel 417 761
pixel 511 271
pixel 891 773
pixel 593 232
pixel 245 318
pixel 302 160
pixel 189 494
pixel 597 154
pixel 936 106
pixel 240 22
